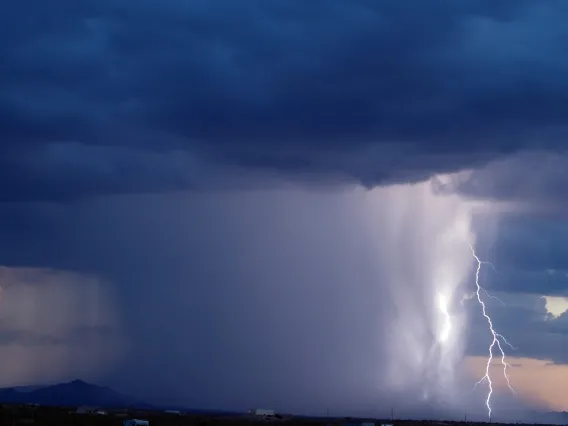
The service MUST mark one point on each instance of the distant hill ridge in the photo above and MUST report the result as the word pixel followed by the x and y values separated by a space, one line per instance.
pixel 75 393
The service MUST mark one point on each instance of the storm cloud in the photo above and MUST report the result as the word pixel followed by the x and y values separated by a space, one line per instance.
pixel 221 174
pixel 103 97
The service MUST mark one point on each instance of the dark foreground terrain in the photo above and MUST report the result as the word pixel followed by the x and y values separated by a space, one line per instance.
pixel 57 405
pixel 19 415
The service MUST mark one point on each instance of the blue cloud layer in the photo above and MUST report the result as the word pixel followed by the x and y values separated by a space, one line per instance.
pixel 372 91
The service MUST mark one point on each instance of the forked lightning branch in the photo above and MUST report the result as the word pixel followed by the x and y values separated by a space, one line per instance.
pixel 497 340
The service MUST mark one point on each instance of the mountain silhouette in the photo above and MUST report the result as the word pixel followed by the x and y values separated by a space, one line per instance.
pixel 74 393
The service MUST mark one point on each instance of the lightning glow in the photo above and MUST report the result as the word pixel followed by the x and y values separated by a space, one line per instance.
pixel 496 341
pixel 443 305
pixel 423 240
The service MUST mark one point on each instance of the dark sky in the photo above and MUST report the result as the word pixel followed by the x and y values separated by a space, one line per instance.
pixel 226 204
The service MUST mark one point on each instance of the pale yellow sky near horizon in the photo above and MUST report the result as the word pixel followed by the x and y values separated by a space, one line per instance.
pixel 539 382
pixel 556 305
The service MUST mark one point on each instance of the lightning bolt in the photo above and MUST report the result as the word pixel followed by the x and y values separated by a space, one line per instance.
pixel 492 297
pixel 498 339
